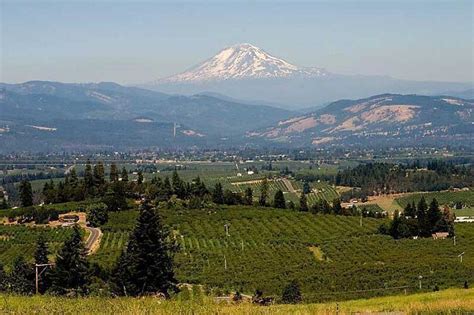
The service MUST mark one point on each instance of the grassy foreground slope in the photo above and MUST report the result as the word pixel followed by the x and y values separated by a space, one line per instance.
pixel 453 301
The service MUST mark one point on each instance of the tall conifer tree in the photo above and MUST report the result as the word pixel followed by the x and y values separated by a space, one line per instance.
pixel 146 265
pixel 26 193
pixel 71 274
pixel 279 200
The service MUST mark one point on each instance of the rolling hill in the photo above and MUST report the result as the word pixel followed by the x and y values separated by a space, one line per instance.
pixel 381 119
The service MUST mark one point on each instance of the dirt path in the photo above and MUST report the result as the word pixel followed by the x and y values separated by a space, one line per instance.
pixel 386 202
pixel 256 181
pixel 289 185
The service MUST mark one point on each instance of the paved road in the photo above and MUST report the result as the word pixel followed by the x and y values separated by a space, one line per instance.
pixel 92 239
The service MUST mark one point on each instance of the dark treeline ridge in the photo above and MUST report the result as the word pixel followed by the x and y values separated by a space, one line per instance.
pixel 7 179
pixel 384 178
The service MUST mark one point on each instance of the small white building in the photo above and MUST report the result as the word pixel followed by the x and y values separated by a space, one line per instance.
pixel 464 220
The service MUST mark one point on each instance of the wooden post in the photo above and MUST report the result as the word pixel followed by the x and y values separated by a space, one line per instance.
pixel 36 278
pixel 38 274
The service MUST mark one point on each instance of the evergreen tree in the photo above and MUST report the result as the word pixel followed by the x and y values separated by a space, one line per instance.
pixel 218 194
pixel 21 278
pixel 167 190
pixel 446 223
pixel 115 197
pixel 398 227
pixel 3 278
pixel 279 200
pixel 41 257
pixel 178 185
pixel 99 177
pixel 140 178
pixel 325 206
pixel 74 180
pixel 306 188
pixel 262 201
pixel 316 207
pixel 303 203
pixel 146 266
pixel 113 176
pixel 71 274
pixel 248 199
pixel 231 198
pixel 97 214
pixel 124 175
pixel 4 204
pixel 49 192
pixel 336 206
pixel 89 178
pixel 434 215
pixel 198 188
pixel 26 193
pixel 41 252
pixel 424 228
pixel 291 293
pixel 409 211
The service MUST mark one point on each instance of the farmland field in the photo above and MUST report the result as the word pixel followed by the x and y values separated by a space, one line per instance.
pixel 16 240
pixel 267 247
pixel 320 190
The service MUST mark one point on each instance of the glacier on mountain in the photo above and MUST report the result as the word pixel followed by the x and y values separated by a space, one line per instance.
pixel 243 61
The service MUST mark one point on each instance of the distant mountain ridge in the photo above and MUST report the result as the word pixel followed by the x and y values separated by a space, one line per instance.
pixel 41 115
pixel 68 114
pixel 248 73
pixel 379 119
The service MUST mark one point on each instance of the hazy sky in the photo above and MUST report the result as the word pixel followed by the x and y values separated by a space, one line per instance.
pixel 134 42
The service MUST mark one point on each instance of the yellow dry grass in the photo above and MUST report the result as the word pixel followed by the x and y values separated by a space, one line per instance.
pixel 452 301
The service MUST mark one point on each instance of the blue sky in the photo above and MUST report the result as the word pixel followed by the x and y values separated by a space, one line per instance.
pixel 134 42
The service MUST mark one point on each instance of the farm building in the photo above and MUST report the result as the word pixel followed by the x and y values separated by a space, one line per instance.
pixel 440 235
pixel 69 218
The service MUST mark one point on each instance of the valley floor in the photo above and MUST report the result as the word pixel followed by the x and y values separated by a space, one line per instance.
pixel 452 301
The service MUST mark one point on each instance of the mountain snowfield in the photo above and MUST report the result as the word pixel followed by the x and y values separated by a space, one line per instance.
pixel 243 61
pixel 247 73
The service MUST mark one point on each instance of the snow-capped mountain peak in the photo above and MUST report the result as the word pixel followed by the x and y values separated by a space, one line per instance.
pixel 243 61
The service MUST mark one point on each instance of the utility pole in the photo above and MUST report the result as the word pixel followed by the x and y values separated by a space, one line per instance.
pixel 225 263
pixel 226 226
pixel 38 274
pixel 419 278
pixel 454 240
pixel 460 255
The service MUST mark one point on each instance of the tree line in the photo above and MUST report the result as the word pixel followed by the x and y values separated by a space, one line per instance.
pixel 383 178
pixel 174 191
pixel 144 267
pixel 420 220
